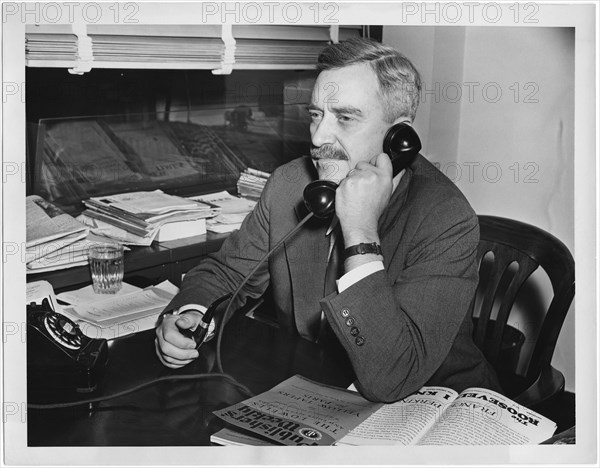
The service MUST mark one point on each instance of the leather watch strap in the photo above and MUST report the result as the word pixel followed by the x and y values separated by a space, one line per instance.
pixel 361 249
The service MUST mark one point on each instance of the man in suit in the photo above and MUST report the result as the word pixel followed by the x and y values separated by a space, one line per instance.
pixel 401 306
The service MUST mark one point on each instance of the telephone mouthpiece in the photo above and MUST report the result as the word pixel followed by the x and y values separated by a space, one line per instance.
pixel 319 198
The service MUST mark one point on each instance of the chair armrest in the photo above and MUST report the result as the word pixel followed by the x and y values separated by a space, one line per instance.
pixel 549 383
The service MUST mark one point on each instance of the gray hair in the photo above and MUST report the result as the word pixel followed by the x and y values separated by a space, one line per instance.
pixel 399 81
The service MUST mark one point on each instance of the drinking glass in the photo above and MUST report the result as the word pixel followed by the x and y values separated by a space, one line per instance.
pixel 107 267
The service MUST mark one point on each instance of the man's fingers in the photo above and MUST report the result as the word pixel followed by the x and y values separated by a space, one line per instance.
pixel 174 344
pixel 382 161
pixel 176 352
pixel 171 333
pixel 167 360
pixel 187 321
pixel 378 165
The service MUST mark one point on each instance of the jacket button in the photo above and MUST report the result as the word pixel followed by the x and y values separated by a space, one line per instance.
pixel 345 312
pixel 360 340
pixel 350 321
pixel 354 331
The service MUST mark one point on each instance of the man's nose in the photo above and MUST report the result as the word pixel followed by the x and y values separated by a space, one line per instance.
pixel 322 132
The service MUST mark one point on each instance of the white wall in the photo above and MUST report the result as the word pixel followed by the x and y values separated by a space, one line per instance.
pixel 498 116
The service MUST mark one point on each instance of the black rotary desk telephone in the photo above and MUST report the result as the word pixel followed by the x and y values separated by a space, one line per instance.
pixel 61 360
pixel 401 143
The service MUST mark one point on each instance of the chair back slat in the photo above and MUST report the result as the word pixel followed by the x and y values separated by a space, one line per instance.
pixel 485 311
pixel 513 243
pixel 489 331
pixel 525 267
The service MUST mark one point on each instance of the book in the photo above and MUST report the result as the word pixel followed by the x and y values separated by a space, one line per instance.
pixel 181 230
pixel 229 437
pixel 302 412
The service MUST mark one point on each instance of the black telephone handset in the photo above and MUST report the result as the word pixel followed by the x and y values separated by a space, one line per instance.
pixel 60 358
pixel 401 143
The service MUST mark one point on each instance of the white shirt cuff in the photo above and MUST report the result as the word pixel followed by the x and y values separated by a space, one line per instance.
pixel 200 308
pixel 358 273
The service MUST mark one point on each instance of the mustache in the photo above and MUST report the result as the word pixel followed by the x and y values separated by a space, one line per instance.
pixel 328 152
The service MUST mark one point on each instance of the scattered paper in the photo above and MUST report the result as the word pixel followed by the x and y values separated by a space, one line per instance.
pixel 147 202
pixel 228 203
pixel 129 313
pixel 37 291
pixel 88 296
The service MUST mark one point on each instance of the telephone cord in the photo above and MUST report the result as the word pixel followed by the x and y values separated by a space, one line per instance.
pixel 227 312
pixel 242 388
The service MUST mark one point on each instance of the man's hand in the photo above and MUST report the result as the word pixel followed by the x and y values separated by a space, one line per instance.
pixel 362 197
pixel 172 348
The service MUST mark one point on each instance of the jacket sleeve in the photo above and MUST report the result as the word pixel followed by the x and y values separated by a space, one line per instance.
pixel 409 314
pixel 223 271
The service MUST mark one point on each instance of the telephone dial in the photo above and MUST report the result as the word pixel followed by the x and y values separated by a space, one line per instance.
pixel 401 143
pixel 60 358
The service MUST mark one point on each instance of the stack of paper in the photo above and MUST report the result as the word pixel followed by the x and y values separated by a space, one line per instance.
pixel 50 232
pixel 72 255
pixel 129 311
pixel 251 183
pixel 137 217
pixel 233 211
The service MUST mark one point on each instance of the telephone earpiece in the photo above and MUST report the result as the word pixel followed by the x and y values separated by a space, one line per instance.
pixel 401 143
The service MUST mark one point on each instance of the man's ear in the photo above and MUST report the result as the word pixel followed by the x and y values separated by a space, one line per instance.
pixel 402 119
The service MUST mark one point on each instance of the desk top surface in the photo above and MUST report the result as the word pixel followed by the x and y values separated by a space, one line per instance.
pixel 138 258
pixel 179 413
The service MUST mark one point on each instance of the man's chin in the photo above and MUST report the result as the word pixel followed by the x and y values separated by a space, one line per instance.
pixel 331 169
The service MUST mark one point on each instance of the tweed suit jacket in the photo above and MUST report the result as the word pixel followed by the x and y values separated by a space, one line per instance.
pixel 413 316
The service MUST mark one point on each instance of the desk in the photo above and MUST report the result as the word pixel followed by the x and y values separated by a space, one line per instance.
pixel 179 413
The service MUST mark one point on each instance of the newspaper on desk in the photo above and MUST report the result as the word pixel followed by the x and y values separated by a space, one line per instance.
pixel 300 412
pixel 49 228
pixel 303 412
pixel 72 255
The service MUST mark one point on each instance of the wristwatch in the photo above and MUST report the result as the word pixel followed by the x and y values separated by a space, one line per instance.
pixel 361 249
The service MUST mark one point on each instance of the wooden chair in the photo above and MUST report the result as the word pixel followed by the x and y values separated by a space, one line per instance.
pixel 518 249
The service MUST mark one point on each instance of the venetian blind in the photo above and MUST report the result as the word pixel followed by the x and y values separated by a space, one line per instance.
pixel 217 47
